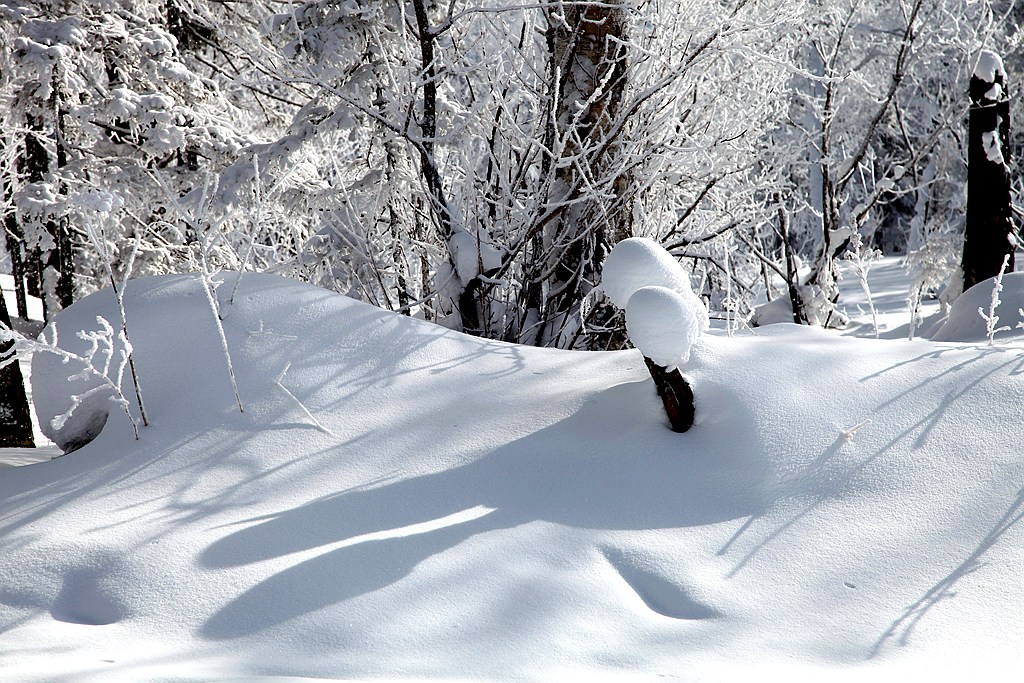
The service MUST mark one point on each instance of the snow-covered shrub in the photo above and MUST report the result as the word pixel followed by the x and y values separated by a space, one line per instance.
pixel 862 257
pixel 75 384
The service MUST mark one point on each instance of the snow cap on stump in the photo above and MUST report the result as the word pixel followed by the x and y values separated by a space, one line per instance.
pixel 663 324
pixel 641 262
pixel 990 67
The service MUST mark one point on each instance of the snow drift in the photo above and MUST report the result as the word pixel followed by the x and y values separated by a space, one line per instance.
pixel 462 508
pixel 964 322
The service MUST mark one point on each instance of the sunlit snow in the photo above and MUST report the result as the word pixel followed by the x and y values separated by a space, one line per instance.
pixel 845 508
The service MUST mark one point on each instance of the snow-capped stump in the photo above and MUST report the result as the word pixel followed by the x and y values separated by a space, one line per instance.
pixel 663 317
pixel 663 325
pixel 989 232
pixel 640 262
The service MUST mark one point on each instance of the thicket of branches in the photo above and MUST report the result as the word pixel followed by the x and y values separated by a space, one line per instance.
pixel 472 164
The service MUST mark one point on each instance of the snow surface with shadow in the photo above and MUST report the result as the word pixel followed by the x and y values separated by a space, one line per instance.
pixel 429 505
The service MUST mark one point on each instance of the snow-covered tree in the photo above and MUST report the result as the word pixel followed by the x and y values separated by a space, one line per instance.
pixel 127 97
pixel 473 164
pixel 873 141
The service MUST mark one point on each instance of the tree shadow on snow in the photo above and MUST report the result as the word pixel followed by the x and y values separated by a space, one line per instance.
pixel 594 470
pixel 903 627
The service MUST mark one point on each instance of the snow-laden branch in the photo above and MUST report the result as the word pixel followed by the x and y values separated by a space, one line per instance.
pixel 104 361
pixel 278 382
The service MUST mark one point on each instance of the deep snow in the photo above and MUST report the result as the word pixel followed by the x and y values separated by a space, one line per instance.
pixel 844 508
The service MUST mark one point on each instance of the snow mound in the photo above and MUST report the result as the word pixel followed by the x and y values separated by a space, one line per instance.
pixel 663 325
pixel 774 312
pixel 640 262
pixel 73 405
pixel 965 323
pixel 71 401
pixel 400 501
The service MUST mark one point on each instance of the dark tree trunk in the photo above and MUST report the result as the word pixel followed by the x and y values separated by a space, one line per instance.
pixel 15 242
pixel 676 395
pixel 15 419
pixel 62 257
pixel 468 302
pixel 34 165
pixel 988 236
pixel 796 301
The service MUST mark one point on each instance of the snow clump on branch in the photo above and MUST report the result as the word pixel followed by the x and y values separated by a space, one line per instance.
pixel 640 262
pixel 664 318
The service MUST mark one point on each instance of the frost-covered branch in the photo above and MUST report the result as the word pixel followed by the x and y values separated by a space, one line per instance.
pixel 210 283
pixel 847 434
pixel 96 207
pixel 104 361
pixel 278 382
pixel 861 258
pixel 990 318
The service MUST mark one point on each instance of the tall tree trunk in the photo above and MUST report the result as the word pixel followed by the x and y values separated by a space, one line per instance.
pixel 15 244
pixel 590 211
pixel 835 179
pixel 824 274
pixel 15 419
pixel 56 266
pixel 988 236
pixel 62 256
pixel 792 275
pixel 34 164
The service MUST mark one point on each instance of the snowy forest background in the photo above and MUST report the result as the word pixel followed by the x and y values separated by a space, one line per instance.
pixel 472 164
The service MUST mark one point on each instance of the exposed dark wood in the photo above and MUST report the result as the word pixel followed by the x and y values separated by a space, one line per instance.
pixel 15 419
pixel 57 264
pixel 15 240
pixel 987 235
pixel 468 302
pixel 676 394
pixel 792 276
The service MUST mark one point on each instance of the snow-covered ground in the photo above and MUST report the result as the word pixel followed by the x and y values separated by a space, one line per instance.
pixel 409 502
